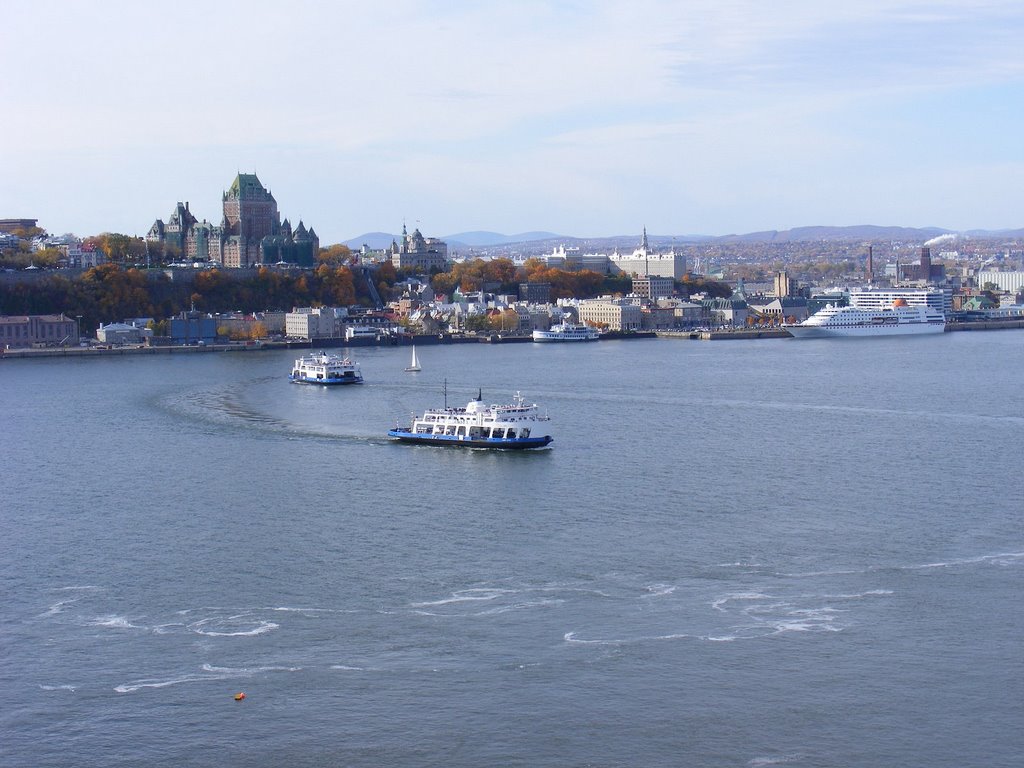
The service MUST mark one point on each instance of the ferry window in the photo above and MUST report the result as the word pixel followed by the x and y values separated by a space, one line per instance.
pixel 525 432
pixel 461 431
pixel 511 433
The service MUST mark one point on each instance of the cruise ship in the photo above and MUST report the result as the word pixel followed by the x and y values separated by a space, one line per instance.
pixel 567 332
pixel 323 368
pixel 512 426
pixel 900 320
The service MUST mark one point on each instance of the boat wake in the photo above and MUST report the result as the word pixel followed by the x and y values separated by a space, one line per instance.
pixel 497 601
pixel 228 409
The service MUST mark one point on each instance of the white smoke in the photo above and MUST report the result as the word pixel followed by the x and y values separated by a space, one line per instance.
pixel 941 239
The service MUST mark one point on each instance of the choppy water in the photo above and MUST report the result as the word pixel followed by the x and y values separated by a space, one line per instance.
pixel 807 553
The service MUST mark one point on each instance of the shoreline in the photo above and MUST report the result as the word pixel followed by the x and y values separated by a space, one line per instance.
pixel 428 340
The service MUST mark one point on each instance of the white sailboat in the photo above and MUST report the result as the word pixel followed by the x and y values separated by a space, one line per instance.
pixel 415 364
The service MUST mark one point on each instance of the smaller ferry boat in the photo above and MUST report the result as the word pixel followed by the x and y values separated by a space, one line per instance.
pixel 567 332
pixel 899 320
pixel 512 426
pixel 322 368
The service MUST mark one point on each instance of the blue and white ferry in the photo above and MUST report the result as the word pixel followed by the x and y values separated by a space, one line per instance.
pixel 322 368
pixel 516 425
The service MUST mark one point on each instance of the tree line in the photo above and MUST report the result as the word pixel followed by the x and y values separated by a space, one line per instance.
pixel 112 292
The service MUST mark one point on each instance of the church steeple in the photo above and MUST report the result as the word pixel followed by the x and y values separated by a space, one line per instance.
pixel 643 242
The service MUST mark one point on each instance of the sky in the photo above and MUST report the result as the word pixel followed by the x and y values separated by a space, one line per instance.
pixel 587 119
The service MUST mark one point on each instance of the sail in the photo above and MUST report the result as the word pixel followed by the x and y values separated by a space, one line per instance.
pixel 415 364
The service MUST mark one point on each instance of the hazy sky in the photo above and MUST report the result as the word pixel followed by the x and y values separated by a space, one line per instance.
pixel 581 118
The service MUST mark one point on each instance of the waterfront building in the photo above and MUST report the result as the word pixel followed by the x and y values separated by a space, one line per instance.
pixel 727 312
pixel 192 328
pixel 18 331
pixel 123 333
pixel 611 313
pixel 315 323
pixel 791 309
pixel 644 262
pixel 658 318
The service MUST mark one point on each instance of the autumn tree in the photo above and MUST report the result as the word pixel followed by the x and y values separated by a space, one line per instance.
pixel 336 285
pixel 335 255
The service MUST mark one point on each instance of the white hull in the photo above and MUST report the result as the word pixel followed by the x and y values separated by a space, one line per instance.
pixel 325 369
pixel 566 332
pixel 478 426
pixel 905 329
pixel 853 322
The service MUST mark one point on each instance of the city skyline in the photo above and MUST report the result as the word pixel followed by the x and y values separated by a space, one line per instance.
pixel 590 120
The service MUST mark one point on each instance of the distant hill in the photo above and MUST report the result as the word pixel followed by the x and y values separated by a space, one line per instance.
pixel 862 232
pixel 373 240
pixel 858 232
pixel 476 239
pixel 481 238
pixel 1007 233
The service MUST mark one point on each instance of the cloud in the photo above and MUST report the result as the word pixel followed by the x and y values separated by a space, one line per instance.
pixel 712 112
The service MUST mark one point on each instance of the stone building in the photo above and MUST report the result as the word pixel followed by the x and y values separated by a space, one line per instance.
pixel 653 287
pixel 535 293
pixel 418 253
pixel 251 231
pixel 610 313
pixel 316 322
pixel 28 330
pixel 645 262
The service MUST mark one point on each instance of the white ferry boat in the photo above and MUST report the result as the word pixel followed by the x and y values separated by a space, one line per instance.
pixel 832 321
pixel 322 368
pixel 513 426
pixel 567 332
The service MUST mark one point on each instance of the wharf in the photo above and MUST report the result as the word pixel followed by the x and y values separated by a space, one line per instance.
pixel 739 333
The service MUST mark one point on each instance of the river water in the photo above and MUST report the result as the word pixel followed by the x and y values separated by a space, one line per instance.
pixel 741 553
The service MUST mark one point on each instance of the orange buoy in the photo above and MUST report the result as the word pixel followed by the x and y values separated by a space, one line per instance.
pixel 239 696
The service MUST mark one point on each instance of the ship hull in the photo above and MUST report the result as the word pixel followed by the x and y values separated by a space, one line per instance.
pixel 542 339
pixel 453 441
pixel 824 332
pixel 325 382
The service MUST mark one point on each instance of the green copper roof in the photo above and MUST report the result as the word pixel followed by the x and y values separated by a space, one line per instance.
pixel 247 186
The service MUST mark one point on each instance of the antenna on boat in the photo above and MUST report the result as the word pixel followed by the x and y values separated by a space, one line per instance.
pixel 446 394
pixel 480 393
